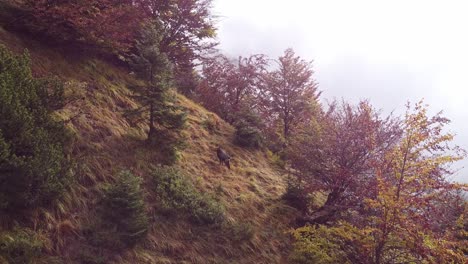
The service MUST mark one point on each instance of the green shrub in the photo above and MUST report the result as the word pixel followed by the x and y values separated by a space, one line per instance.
pixel 248 130
pixel 206 210
pixel 20 246
pixel 240 232
pixel 248 136
pixel 123 210
pixel 321 244
pixel 169 145
pixel 177 194
pixel 33 164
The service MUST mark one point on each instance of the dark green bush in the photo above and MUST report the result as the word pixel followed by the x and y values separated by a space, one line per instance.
pixel 123 210
pixel 177 194
pixel 248 136
pixel 240 232
pixel 33 164
pixel 20 246
pixel 248 130
pixel 169 145
pixel 205 210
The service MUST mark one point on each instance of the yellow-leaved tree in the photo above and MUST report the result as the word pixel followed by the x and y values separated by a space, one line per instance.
pixel 410 219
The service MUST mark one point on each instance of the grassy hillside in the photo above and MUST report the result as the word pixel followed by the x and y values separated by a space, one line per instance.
pixel 106 142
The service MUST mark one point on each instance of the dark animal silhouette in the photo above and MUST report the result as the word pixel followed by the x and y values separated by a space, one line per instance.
pixel 223 157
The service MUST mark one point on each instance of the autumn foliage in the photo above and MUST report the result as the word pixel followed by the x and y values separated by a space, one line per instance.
pixel 369 188
pixel 106 23
pixel 283 94
pixel 388 192
pixel 187 25
pixel 335 155
pixel 289 93
pixel 231 86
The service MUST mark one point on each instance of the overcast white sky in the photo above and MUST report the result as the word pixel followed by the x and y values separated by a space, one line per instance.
pixel 386 51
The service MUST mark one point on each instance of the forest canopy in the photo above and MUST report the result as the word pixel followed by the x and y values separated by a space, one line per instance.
pixel 366 187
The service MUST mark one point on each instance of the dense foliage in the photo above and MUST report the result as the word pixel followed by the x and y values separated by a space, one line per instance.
pixel 283 97
pixel 342 243
pixel 123 209
pixel 187 30
pixel 153 66
pixel 335 155
pixel 104 23
pixel 289 93
pixel 383 180
pixel 248 130
pixel 407 209
pixel 230 87
pixel 176 193
pixel 33 162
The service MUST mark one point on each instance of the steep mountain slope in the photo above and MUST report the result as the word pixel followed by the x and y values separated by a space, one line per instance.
pixel 106 141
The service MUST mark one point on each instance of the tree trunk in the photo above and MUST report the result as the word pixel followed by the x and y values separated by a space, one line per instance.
pixel 325 213
pixel 152 129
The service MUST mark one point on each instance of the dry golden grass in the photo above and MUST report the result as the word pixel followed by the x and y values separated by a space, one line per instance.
pixel 106 142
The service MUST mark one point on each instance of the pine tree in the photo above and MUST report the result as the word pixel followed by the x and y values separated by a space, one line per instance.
pixel 154 67
pixel 124 208
pixel 33 164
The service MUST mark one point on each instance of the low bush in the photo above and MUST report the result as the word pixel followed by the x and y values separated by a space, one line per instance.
pixel 206 210
pixel 176 193
pixel 210 124
pixel 123 210
pixel 20 246
pixel 277 158
pixel 240 232
pixel 328 245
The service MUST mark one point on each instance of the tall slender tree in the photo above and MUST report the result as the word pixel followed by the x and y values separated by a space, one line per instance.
pixel 290 92
pixel 412 181
pixel 154 67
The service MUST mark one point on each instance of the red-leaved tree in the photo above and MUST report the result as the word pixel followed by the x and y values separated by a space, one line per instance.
pixel 335 155
pixel 229 87
pixel 289 93
pixel 104 23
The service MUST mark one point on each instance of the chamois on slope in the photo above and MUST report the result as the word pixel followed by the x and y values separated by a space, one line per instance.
pixel 223 157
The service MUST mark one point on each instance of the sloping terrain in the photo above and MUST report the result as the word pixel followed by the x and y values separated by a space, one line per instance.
pixel 106 142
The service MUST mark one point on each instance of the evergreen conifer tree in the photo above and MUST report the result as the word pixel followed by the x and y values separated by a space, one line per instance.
pixel 155 69
pixel 124 207
pixel 33 164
